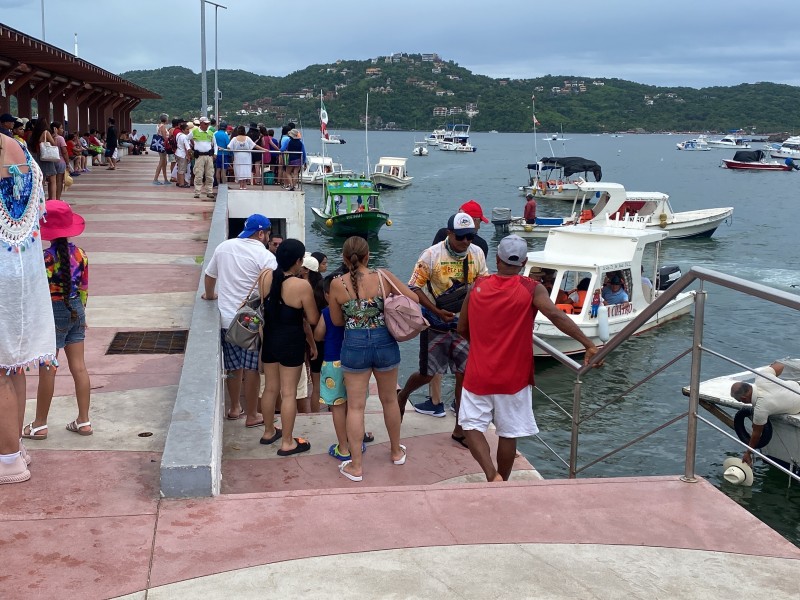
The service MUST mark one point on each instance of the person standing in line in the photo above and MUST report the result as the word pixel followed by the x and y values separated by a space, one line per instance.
pixel 182 152
pixel 41 134
pixel 161 168
pixel 6 124
pixel 241 145
pixel 205 148
pixel 27 330
pixel 497 321
pixel 530 209
pixel 356 302
pixel 295 158
pixel 222 139
pixel 68 275
pixel 275 240
pixel 289 314
pixel 231 274
pixel 111 144
pixel 57 131
pixel 440 279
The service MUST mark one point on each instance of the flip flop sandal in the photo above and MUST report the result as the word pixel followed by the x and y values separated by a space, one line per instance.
pixel 236 418
pixel 461 440
pixel 302 446
pixel 401 461
pixel 368 437
pixel 273 439
pixel 258 424
pixel 33 432
pixel 75 427
pixel 348 475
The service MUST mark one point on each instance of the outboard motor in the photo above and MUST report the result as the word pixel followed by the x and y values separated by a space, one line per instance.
pixel 667 275
pixel 501 218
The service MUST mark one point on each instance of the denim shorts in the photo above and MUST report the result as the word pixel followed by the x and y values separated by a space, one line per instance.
pixel 369 349
pixel 69 331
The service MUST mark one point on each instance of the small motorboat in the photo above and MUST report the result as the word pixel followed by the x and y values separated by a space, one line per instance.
pixel 729 141
pixel 552 177
pixel 391 173
pixel 572 255
pixel 456 139
pixel 319 167
pixel 350 206
pixel 420 149
pixel 435 137
pixel 696 145
pixel 788 149
pixel 757 160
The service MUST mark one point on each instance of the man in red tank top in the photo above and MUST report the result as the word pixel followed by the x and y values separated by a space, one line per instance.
pixel 497 320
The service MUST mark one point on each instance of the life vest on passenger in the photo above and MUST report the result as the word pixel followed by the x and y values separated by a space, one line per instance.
pixel 581 299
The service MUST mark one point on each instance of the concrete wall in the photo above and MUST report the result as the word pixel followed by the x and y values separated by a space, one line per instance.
pixel 191 465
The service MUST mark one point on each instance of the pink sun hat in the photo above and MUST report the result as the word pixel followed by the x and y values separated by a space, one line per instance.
pixel 60 221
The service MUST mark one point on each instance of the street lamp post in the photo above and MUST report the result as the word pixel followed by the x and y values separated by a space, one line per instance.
pixel 204 108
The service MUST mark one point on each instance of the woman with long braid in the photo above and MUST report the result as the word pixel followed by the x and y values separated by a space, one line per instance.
pixel 289 313
pixel 68 274
pixel 356 302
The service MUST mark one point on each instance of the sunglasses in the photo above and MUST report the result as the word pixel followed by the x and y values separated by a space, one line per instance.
pixel 466 236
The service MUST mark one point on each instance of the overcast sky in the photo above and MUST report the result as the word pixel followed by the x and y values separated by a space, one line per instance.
pixel 694 43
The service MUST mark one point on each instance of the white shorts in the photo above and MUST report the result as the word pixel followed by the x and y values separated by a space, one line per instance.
pixel 512 414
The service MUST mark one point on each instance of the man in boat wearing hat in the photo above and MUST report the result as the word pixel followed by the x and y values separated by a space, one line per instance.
pixel 768 398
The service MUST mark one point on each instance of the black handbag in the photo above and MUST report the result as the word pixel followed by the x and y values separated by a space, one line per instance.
pixel 453 298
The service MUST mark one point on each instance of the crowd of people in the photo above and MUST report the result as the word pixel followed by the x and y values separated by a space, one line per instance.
pixel 197 153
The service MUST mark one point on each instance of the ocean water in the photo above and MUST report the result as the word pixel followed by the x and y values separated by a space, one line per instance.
pixel 759 244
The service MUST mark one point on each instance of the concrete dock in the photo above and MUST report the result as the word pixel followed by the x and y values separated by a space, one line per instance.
pixel 91 522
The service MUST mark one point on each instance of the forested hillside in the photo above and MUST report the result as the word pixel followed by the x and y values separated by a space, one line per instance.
pixel 406 90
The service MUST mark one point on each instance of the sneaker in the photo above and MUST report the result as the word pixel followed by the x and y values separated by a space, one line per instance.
pixel 453 407
pixel 197 195
pixel 16 472
pixel 429 408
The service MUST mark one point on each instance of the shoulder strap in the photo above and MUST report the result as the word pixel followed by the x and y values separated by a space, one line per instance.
pixel 466 267
pixel 260 283
pixel 382 276
pixel 380 284
pixel 346 289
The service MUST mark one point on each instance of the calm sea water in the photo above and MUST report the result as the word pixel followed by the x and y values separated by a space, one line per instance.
pixel 760 244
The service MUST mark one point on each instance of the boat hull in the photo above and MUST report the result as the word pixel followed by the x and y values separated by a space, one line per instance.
pixel 363 224
pixel 547 332
pixel 382 180
pixel 755 166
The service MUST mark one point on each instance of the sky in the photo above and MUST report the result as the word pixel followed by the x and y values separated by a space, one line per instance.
pixel 695 43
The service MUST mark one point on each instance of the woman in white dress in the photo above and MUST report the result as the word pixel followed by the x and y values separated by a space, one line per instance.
pixel 242 158
pixel 27 328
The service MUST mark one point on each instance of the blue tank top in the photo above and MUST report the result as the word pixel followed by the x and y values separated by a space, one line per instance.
pixel 334 338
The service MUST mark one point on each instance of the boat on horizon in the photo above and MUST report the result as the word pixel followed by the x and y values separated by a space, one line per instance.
pixel 456 139
pixel 729 141
pixel 698 144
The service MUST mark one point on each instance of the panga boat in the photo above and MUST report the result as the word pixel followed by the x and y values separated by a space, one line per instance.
pixel 552 177
pixel 699 144
pixel 350 206
pixel 642 210
pixel 573 254
pixel 729 141
pixel 390 172
pixel 756 160
pixel 780 439
pixel 420 149
pixel 320 167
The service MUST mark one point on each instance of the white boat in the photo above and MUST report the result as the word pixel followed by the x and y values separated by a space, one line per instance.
pixel 391 173
pixel 556 178
pixel 456 139
pixel 555 138
pixel 435 137
pixel 729 141
pixel 594 252
pixel 420 149
pixel 634 210
pixel 788 149
pixel 320 167
pixel 699 144
pixel 326 137
pixel 783 445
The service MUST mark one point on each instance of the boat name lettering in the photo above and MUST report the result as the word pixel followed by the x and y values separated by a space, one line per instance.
pixel 617 310
pixel 618 266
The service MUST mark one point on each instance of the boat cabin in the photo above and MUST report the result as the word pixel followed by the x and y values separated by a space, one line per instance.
pixel 350 195
pixel 391 165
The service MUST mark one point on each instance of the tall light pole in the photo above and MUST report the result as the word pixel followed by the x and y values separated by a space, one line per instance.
pixel 204 76
pixel 43 37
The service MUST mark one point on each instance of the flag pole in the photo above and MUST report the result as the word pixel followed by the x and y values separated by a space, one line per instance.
pixel 533 116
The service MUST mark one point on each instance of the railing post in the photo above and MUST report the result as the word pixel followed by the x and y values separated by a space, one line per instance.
pixel 576 413
pixel 694 386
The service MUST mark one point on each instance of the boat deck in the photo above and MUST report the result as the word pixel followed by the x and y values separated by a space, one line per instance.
pixel 91 523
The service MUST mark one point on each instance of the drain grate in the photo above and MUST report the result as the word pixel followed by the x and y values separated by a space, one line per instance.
pixel 149 342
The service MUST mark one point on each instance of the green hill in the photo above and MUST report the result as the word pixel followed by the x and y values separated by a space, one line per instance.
pixel 405 91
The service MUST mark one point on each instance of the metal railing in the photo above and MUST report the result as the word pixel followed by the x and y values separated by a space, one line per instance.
pixel 259 168
pixel 696 350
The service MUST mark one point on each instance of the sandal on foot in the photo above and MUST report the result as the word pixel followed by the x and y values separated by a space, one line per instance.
pixel 401 461
pixel 256 424
pixel 461 440
pixel 368 437
pixel 76 427
pixel 349 475
pixel 33 432
pixel 273 439
pixel 236 418
pixel 302 446
pixel 334 452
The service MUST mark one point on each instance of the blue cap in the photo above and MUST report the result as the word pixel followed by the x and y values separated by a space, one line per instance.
pixel 255 223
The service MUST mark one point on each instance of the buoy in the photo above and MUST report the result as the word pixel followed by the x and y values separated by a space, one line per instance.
pixel 602 323
pixel 329 223
pixel 389 222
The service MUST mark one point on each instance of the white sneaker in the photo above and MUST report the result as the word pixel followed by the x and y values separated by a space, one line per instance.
pixel 16 472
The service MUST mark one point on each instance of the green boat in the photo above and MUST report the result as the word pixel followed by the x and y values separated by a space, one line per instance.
pixel 351 206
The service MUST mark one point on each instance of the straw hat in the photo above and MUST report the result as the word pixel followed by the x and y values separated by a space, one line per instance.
pixel 737 472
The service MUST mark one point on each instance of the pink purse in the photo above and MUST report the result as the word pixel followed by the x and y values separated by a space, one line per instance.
pixel 403 315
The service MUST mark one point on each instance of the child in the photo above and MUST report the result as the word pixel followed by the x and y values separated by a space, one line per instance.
pixel 332 391
pixel 68 275
pixel 596 302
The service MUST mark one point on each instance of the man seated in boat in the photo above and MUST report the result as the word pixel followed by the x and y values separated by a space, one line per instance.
pixel 578 296
pixel 613 292
pixel 548 280
pixel 768 398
